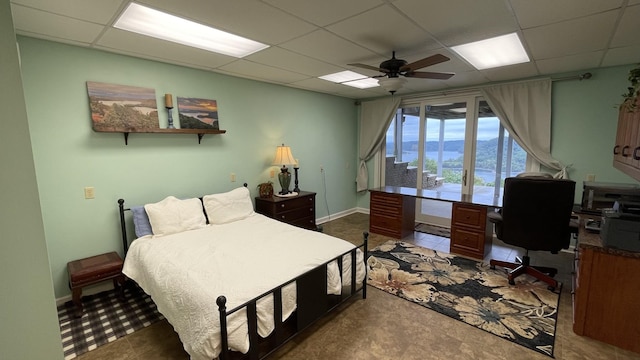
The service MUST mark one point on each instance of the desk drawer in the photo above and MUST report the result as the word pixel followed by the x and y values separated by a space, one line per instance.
pixel 467 240
pixel 470 216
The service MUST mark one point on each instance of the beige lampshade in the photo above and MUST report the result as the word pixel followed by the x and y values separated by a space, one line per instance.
pixel 283 156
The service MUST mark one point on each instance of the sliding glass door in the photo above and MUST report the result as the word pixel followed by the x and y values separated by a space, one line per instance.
pixel 450 145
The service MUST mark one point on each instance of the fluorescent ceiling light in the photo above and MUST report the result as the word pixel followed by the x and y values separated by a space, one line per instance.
pixel 498 51
pixel 343 76
pixel 362 83
pixel 154 23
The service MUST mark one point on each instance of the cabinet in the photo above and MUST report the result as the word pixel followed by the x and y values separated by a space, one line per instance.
pixel 298 210
pixel 606 293
pixel 471 232
pixel 626 152
pixel 391 214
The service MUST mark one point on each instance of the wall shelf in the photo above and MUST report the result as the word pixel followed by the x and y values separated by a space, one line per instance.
pixel 199 132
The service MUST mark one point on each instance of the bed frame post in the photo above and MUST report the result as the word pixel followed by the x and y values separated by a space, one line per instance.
pixel 224 340
pixel 365 251
pixel 125 242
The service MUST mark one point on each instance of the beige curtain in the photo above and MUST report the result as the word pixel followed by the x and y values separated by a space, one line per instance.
pixel 375 117
pixel 524 109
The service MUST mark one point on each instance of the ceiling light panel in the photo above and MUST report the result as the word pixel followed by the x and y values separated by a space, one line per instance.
pixel 362 83
pixel 343 76
pixel 154 23
pixel 494 52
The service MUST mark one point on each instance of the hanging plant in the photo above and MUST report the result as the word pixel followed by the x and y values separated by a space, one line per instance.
pixel 633 91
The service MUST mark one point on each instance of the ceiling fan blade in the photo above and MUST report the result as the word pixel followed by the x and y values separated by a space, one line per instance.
pixel 428 61
pixel 368 67
pixel 429 75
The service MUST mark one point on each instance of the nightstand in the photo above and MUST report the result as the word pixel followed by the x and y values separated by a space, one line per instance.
pixel 297 210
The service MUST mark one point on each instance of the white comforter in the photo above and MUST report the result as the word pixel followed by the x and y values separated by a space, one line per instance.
pixel 184 273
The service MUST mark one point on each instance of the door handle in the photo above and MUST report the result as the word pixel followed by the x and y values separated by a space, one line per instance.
pixel 464 178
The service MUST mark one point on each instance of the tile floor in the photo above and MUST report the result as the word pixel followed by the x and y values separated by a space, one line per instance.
pixel 384 326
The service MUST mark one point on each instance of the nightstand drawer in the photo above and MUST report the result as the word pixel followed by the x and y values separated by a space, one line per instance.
pixel 298 210
pixel 295 203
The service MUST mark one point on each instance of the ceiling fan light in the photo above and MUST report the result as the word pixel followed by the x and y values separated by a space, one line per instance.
pixel 392 84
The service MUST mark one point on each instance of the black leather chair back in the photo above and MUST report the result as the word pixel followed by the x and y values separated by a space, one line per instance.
pixel 536 213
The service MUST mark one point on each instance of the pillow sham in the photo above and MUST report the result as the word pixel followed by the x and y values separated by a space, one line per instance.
pixel 173 215
pixel 141 223
pixel 227 207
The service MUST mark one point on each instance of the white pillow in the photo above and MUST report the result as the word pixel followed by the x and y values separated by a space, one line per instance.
pixel 227 207
pixel 173 215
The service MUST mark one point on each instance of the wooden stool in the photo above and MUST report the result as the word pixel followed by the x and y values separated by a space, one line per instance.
pixel 93 270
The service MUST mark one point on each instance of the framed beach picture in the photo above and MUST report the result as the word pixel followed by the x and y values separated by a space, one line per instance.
pixel 198 113
pixel 122 107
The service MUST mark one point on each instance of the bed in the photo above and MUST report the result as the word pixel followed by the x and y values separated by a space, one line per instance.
pixel 234 283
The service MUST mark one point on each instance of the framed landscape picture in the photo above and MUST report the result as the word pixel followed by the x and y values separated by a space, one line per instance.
pixel 198 113
pixel 122 107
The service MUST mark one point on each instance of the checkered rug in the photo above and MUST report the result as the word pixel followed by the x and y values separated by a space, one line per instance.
pixel 106 318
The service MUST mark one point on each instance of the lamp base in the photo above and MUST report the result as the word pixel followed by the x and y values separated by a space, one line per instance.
pixel 284 177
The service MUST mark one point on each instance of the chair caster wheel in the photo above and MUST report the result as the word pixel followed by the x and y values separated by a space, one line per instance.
pixel 551 288
pixel 512 282
pixel 492 267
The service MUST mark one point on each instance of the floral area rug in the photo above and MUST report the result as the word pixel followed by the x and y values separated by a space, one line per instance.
pixel 468 291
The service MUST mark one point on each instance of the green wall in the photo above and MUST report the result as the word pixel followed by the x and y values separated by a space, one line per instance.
pixel 69 155
pixel 584 119
pixel 28 318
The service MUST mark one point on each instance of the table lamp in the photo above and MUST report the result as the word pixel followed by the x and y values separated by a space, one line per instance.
pixel 283 158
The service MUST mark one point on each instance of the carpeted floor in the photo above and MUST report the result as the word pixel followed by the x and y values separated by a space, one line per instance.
pixel 433 230
pixel 106 318
pixel 468 291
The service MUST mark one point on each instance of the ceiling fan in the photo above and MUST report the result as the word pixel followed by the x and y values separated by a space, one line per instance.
pixel 394 68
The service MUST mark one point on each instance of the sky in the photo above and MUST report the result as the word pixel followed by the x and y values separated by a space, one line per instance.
pixel 454 129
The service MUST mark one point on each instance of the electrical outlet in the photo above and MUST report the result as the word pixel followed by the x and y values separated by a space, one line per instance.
pixel 89 192
pixel 272 173
pixel 232 177
pixel 591 177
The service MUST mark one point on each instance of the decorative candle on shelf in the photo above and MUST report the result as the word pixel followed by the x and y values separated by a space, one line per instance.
pixel 168 104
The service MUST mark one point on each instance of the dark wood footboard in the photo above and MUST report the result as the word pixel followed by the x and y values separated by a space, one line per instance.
pixel 313 303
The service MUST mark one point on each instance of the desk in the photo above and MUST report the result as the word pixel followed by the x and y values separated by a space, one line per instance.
pixel 392 213
pixel 606 292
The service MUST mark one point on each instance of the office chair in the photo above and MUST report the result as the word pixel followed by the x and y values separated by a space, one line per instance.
pixel 535 215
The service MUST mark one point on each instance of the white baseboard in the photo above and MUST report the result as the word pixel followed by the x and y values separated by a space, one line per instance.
pixel 341 214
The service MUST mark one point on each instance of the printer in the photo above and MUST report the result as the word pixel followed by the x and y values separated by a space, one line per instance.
pixel 597 196
pixel 620 226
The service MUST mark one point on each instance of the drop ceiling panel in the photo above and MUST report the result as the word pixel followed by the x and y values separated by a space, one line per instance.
pixel 324 12
pixel 249 18
pixel 537 12
pixel 328 47
pixel 569 63
pixel 461 21
pixel 628 32
pixel 97 11
pixel 53 26
pixel 392 31
pixel 622 56
pixel 285 59
pixel 264 72
pixel 585 34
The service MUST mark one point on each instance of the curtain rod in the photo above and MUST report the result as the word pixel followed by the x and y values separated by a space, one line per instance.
pixel 580 77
